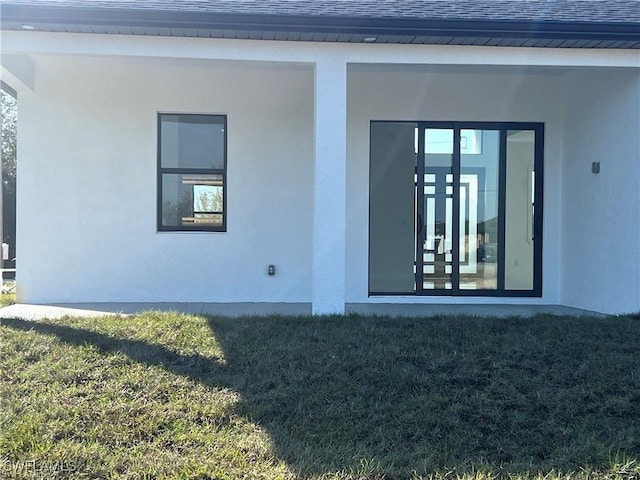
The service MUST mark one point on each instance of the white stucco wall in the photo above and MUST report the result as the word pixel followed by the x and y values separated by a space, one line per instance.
pixel 451 94
pixel 87 182
pixel 601 213
pixel 87 167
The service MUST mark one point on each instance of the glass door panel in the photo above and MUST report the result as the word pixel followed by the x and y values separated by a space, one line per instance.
pixel 519 219
pixel 392 235
pixel 436 238
pixel 479 203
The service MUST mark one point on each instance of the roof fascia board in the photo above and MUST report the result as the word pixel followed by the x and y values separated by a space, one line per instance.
pixel 137 46
pixel 43 16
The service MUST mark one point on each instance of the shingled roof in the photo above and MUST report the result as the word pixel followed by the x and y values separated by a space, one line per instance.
pixel 535 23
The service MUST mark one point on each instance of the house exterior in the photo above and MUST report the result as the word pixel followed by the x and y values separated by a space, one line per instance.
pixel 327 155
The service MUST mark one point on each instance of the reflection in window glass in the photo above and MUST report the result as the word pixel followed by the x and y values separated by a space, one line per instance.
pixel 440 141
pixel 437 239
pixel 479 205
pixel 192 200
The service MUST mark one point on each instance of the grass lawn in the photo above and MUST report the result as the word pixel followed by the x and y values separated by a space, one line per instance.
pixel 179 396
pixel 7 299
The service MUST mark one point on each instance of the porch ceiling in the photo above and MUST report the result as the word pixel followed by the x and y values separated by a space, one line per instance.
pixel 535 23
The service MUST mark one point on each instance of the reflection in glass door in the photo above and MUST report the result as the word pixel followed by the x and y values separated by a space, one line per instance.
pixel 435 212
pixel 479 192
pixel 463 225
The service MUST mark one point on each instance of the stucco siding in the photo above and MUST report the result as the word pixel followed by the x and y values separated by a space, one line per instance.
pixel 88 172
pixel 601 212
pixel 87 168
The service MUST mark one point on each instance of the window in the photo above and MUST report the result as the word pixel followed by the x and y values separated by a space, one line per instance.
pixel 455 208
pixel 192 163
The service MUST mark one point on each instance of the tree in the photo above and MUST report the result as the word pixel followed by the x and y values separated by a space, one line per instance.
pixel 9 112
pixel 209 200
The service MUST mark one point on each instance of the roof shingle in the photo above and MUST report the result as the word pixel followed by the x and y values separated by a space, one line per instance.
pixel 610 11
pixel 567 23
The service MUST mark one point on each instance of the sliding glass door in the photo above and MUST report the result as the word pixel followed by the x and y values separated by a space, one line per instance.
pixel 455 208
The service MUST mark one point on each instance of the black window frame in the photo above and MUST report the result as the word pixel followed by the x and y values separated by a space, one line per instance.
pixel 503 128
pixel 191 171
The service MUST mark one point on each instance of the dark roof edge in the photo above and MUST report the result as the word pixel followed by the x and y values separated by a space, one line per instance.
pixel 43 16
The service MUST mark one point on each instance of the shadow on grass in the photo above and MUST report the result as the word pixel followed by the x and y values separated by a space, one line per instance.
pixel 406 395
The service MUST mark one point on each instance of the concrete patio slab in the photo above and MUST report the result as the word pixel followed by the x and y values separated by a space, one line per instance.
pixel 430 310
pixel 40 312
pixel 55 311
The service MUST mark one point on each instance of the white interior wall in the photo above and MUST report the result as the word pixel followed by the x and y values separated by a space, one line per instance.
pixel 88 172
pixel 463 94
pixel 601 213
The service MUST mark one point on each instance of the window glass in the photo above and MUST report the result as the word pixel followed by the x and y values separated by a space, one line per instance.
pixel 520 193
pixel 479 210
pixel 192 200
pixel 437 218
pixel 192 172
pixel 192 141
